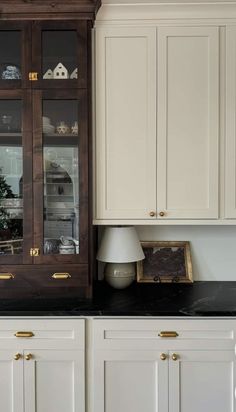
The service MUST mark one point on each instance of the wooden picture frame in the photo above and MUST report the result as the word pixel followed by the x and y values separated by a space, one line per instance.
pixel 166 261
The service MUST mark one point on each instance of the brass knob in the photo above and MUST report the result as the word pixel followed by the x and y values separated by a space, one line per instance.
pixel 175 357
pixel 28 356
pixel 17 356
pixel 163 356
pixel 152 213
pixel 162 214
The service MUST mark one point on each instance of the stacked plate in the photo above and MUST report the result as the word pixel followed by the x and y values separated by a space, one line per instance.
pixel 48 128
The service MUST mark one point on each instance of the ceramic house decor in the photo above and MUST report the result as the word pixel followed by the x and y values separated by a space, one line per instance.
pixel 48 74
pixel 74 74
pixel 60 72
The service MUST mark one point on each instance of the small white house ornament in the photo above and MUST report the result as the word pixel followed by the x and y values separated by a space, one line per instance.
pixel 74 74
pixel 48 74
pixel 60 72
pixel 74 128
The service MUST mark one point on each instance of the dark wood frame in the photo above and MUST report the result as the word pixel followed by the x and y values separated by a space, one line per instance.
pixel 31 17
pixel 142 278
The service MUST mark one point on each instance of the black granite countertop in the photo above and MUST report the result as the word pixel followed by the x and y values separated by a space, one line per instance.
pixel 197 299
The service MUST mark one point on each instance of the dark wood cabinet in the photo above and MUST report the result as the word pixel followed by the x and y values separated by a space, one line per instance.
pixel 45 150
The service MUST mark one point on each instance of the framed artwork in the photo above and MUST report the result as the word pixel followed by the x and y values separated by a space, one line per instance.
pixel 167 262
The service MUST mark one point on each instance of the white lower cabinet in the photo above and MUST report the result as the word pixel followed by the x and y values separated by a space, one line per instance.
pixel 135 369
pixel 44 371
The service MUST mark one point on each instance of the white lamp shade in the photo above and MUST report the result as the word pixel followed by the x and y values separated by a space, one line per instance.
pixel 120 245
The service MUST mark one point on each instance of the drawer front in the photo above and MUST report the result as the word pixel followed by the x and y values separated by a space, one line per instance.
pixel 52 280
pixel 42 334
pixel 164 334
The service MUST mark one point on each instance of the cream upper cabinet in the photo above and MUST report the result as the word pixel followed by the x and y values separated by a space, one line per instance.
pixel 157 120
pixel 188 119
pixel 125 182
pixel 230 151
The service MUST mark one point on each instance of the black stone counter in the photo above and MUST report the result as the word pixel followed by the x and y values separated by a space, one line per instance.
pixel 198 299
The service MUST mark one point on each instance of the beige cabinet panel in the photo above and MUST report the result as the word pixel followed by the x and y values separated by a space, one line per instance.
pixel 188 121
pixel 230 148
pixel 130 381
pixel 125 123
pixel 11 382
pixel 202 381
pixel 54 381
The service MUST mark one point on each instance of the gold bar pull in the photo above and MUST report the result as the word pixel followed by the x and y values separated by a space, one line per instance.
pixel 24 334
pixel 6 276
pixel 168 334
pixel 61 276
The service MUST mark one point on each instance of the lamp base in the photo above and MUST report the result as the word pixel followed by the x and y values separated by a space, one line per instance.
pixel 119 275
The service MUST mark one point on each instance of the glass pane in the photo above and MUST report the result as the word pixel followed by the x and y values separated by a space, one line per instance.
pixel 61 177
pixel 11 178
pixel 59 54
pixel 10 55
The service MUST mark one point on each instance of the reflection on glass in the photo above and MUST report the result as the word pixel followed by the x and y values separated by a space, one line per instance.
pixel 59 59
pixel 61 178
pixel 10 55
pixel 11 178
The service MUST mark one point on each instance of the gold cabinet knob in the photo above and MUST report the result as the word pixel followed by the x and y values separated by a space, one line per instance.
pixel 162 214
pixel 28 356
pixel 175 357
pixel 152 213
pixel 17 356
pixel 163 356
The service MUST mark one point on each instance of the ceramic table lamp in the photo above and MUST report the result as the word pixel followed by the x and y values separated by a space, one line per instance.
pixel 120 248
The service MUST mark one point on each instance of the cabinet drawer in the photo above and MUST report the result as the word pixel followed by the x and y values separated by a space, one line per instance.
pixel 145 334
pixel 42 334
pixel 28 280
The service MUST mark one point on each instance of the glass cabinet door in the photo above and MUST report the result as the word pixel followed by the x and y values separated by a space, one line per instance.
pixel 59 56
pixel 61 205
pixel 15 55
pixel 15 199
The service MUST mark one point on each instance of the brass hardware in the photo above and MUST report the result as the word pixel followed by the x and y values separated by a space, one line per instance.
pixel 175 357
pixel 24 334
pixel 6 276
pixel 34 251
pixel 17 356
pixel 163 356
pixel 61 275
pixel 152 213
pixel 33 76
pixel 168 334
pixel 162 214
pixel 28 356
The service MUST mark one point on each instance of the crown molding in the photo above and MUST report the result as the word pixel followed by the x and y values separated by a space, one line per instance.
pixel 169 9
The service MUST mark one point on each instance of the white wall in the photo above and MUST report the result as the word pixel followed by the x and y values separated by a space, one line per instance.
pixel 213 248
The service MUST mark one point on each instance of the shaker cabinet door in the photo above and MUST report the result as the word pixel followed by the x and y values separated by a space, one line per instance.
pixel 188 121
pixel 202 381
pixel 54 381
pixel 125 123
pixel 11 382
pixel 130 381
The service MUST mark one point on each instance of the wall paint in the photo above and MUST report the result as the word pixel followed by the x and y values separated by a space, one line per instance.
pixel 213 248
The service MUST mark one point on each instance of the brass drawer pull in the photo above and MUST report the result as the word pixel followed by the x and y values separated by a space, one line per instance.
pixel 61 276
pixel 168 334
pixel 24 334
pixel 6 276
